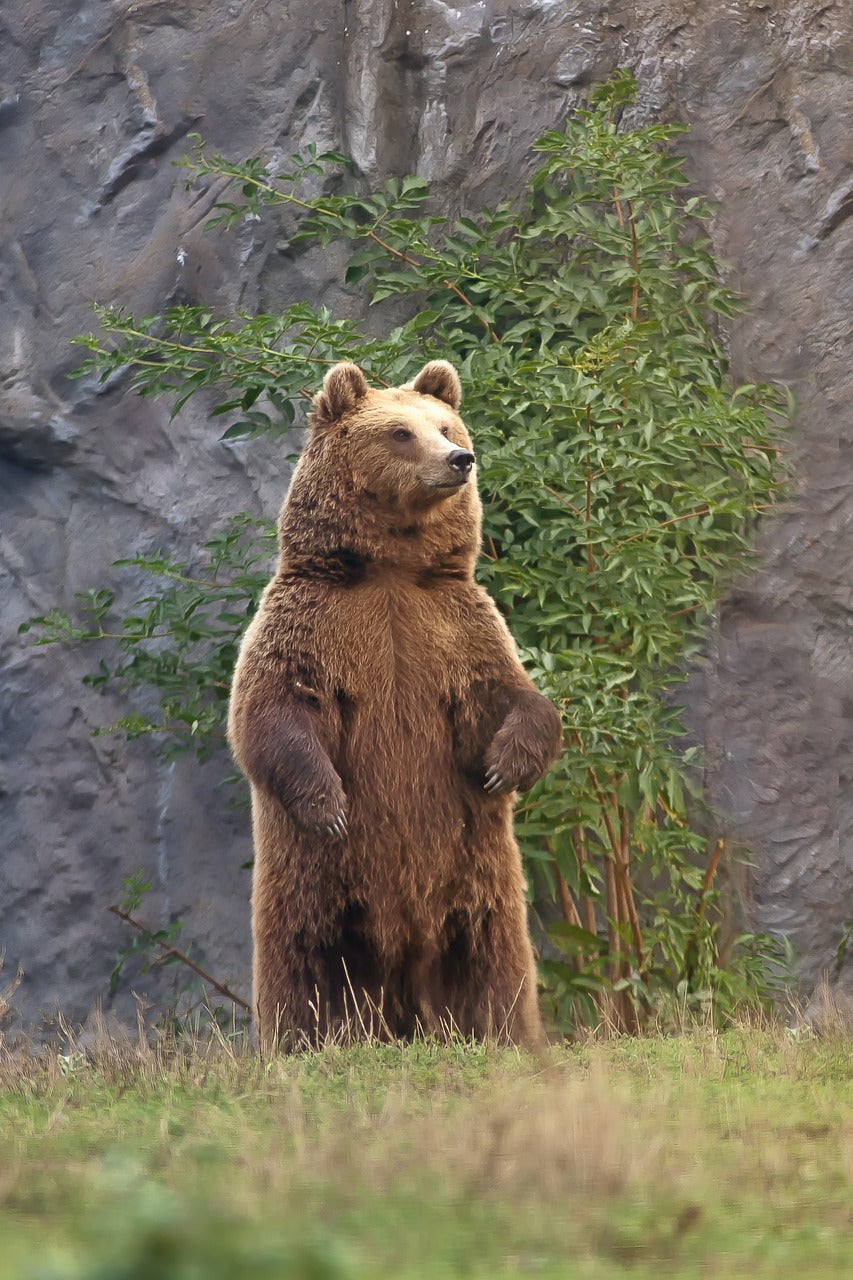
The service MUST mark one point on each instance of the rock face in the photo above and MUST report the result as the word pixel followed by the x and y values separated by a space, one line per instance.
pixel 95 101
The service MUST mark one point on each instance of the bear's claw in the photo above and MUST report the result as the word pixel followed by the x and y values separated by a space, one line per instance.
pixel 337 829
pixel 494 782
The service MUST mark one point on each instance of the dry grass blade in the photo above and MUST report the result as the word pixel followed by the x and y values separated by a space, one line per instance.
pixel 6 994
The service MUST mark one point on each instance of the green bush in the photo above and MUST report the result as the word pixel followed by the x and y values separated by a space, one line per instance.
pixel 621 477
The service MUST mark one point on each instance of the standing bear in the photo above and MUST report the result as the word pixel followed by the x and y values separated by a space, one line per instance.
pixel 384 721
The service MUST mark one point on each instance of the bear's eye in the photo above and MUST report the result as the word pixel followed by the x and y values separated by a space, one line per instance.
pixel 444 430
pixel 401 434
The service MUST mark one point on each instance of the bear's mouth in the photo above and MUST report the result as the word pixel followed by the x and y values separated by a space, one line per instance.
pixel 456 483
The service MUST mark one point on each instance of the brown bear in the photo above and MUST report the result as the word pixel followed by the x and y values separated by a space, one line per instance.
pixel 384 721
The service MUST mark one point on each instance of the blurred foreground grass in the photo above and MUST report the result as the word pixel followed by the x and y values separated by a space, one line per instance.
pixel 699 1155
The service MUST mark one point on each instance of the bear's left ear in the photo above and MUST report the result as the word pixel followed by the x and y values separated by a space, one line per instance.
pixel 344 386
pixel 439 379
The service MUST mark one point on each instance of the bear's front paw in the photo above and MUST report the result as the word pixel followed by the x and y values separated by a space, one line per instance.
pixel 323 813
pixel 512 769
pixel 524 747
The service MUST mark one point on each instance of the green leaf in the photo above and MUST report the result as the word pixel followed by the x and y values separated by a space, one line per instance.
pixel 572 936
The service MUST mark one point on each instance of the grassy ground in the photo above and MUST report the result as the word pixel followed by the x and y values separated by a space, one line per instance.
pixel 700 1155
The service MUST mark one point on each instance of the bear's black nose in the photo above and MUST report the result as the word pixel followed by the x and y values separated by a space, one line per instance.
pixel 460 460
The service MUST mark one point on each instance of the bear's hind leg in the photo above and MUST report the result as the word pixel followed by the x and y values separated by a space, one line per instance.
pixel 309 991
pixel 490 978
pixel 286 999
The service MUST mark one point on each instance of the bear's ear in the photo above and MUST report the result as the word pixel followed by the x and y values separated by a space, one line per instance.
pixel 439 379
pixel 344 386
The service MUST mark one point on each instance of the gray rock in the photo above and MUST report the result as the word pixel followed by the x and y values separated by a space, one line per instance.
pixel 94 106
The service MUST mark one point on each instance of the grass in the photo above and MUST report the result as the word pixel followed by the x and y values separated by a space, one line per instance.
pixel 706 1154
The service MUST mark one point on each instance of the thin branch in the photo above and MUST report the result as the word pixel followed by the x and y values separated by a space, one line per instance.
pixel 590 561
pixel 569 910
pixel 599 793
pixel 587 904
pixel 688 515
pixel 710 873
pixel 448 284
pixel 468 303
pixel 635 249
pixel 570 506
pixel 567 902
pixel 692 947
pixel 369 235
pixel 613 916
pixel 220 353
pixel 180 955
pixel 171 344
pixel 612 865
pixel 625 874
pixel 635 262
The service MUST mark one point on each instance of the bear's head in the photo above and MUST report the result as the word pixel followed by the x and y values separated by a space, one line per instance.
pixel 406 446
pixel 387 475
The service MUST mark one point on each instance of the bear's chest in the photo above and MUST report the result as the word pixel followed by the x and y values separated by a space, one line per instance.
pixel 402 646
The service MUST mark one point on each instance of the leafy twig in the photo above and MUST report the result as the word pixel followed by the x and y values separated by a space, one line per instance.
pixel 183 957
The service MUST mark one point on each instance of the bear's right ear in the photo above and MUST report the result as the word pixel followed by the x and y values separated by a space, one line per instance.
pixel 344 386
pixel 439 379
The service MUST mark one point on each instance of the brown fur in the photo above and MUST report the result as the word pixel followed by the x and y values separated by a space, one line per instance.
pixel 377 694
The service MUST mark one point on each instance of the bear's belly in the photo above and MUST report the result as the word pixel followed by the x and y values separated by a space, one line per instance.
pixel 423 837
pixel 416 819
